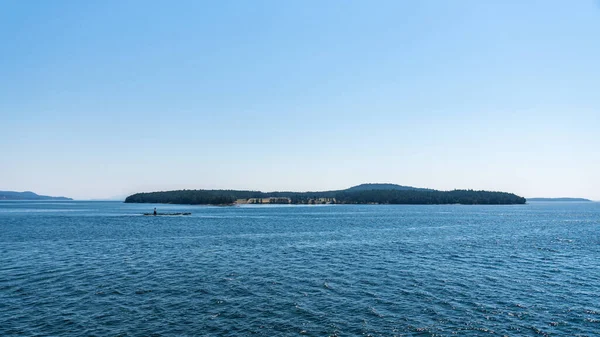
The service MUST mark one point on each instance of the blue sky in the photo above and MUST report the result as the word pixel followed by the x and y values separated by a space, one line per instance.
pixel 108 98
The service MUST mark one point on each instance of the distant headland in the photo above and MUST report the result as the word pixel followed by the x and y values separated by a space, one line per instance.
pixel 27 195
pixel 560 199
pixel 361 194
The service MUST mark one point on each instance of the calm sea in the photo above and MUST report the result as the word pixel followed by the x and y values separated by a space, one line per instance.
pixel 102 269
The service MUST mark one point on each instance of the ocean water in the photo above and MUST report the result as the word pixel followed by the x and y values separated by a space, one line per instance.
pixel 101 269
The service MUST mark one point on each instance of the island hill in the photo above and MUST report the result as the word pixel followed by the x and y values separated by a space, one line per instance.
pixel 27 195
pixel 361 194
pixel 561 199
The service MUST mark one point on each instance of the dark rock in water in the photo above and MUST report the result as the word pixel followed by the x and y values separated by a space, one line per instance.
pixel 166 214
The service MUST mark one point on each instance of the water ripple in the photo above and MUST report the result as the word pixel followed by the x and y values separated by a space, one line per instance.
pixel 323 271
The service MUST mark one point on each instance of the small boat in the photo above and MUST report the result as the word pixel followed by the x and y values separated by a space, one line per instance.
pixel 166 214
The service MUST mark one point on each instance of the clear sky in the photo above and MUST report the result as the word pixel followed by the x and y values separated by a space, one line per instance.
pixel 107 98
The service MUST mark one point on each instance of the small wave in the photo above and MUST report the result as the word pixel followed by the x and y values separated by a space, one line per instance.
pixel 374 312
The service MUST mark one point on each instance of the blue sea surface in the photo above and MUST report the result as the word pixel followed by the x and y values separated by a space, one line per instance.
pixel 102 269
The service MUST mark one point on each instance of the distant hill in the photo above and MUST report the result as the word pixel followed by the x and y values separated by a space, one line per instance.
pixel 11 195
pixel 387 187
pixel 559 199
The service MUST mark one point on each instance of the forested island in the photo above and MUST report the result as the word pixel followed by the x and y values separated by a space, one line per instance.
pixel 560 199
pixel 27 195
pixel 361 194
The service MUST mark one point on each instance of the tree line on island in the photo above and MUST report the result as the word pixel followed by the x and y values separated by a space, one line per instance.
pixel 361 194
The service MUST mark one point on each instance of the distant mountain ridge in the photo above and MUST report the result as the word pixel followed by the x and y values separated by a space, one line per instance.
pixel 27 195
pixel 559 199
